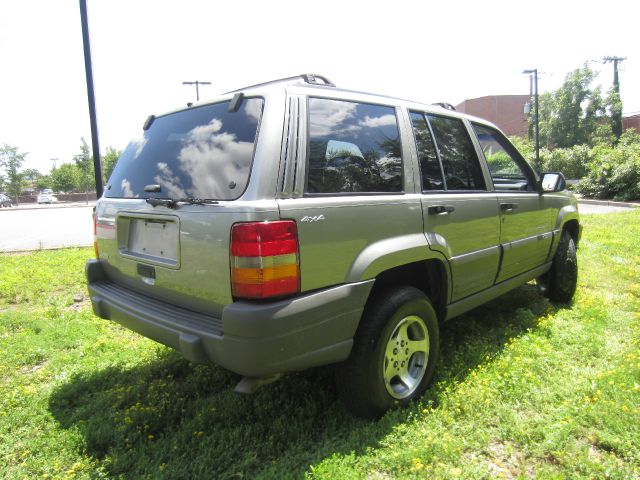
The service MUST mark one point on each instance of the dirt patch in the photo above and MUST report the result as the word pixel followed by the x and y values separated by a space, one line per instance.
pixel 80 302
pixel 504 460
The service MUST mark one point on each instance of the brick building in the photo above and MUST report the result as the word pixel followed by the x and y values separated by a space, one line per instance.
pixel 632 121
pixel 506 111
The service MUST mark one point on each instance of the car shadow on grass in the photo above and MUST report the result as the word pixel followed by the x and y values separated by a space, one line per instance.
pixel 173 419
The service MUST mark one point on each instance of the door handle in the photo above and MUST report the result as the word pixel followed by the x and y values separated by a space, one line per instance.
pixel 438 209
pixel 508 207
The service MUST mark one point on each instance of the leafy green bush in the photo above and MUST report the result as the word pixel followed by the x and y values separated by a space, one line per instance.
pixel 572 162
pixel 614 172
pixel 605 171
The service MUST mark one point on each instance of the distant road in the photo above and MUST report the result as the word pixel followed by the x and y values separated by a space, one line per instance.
pixel 42 228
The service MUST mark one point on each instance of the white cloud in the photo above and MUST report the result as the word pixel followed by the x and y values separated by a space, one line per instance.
pixel 139 144
pixel 170 182
pixel 215 162
pixel 328 116
pixel 382 121
pixel 126 189
pixel 253 109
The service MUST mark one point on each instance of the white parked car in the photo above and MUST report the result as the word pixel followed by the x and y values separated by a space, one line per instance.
pixel 47 196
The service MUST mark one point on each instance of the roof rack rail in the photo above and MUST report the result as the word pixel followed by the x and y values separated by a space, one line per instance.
pixel 310 78
pixel 445 105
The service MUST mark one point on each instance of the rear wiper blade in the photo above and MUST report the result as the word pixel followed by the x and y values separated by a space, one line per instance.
pixel 175 203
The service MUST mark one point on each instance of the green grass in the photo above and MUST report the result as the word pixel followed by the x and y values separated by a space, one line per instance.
pixel 524 389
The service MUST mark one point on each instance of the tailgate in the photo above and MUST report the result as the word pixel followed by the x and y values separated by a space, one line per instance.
pixel 178 256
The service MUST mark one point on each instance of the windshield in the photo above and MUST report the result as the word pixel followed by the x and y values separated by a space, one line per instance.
pixel 203 152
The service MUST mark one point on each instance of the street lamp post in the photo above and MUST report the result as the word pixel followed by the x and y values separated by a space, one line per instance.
pixel 88 69
pixel 534 73
pixel 197 83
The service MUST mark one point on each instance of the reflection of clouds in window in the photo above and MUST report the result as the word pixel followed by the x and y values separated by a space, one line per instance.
pixel 127 192
pixel 383 121
pixel 215 161
pixel 253 110
pixel 327 116
pixel 138 144
pixel 171 183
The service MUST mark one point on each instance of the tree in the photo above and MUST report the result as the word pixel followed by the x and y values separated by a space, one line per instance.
pixel 84 162
pixel 31 176
pixel 11 161
pixel 65 178
pixel 44 181
pixel 575 114
pixel 615 110
pixel 109 162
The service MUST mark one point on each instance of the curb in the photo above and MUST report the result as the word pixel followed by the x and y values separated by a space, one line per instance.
pixel 608 203
pixel 32 206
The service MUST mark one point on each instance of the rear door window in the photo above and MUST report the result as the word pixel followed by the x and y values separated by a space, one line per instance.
pixel 460 163
pixel 203 152
pixel 430 167
pixel 353 148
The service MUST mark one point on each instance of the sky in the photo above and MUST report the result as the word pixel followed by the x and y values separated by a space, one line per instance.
pixel 426 51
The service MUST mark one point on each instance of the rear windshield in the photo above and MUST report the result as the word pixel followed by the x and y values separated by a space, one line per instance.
pixel 204 152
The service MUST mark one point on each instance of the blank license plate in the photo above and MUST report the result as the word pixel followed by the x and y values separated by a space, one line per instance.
pixel 153 238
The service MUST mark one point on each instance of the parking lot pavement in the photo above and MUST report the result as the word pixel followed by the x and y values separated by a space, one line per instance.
pixel 45 227
pixel 34 206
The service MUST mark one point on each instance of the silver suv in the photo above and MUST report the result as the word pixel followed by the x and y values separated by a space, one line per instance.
pixel 294 224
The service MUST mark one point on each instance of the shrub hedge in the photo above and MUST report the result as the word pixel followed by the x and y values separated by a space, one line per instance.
pixel 605 171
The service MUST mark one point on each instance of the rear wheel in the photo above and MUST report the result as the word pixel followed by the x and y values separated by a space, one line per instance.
pixel 559 283
pixel 394 353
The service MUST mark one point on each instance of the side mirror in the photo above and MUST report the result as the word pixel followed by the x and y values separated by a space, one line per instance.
pixel 552 182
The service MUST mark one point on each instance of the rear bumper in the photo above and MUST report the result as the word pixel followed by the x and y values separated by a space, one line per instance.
pixel 251 339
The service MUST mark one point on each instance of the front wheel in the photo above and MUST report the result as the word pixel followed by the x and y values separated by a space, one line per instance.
pixel 394 353
pixel 559 283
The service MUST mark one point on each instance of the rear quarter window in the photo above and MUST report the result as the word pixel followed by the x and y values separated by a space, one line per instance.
pixel 203 152
pixel 353 148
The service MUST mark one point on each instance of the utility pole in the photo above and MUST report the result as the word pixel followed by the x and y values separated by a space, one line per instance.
pixel 197 83
pixel 616 113
pixel 91 97
pixel 534 73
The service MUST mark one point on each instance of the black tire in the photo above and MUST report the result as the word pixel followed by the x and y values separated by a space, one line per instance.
pixel 367 382
pixel 559 283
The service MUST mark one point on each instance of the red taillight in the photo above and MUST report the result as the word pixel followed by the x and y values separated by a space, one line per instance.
pixel 264 259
